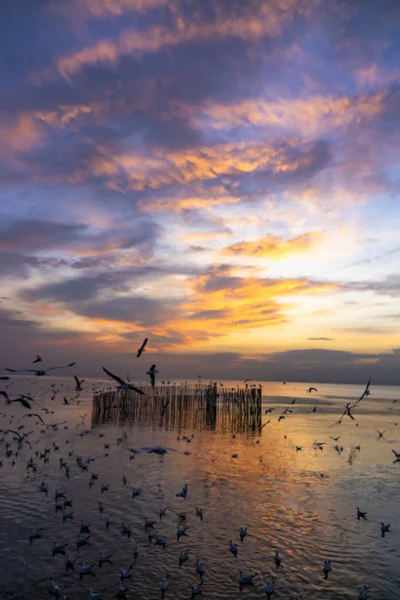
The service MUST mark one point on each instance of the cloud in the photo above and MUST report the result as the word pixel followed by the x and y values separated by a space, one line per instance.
pixel 274 247
pixel 38 235
pixel 138 310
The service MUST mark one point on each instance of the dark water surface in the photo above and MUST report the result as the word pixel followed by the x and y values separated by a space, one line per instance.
pixel 301 502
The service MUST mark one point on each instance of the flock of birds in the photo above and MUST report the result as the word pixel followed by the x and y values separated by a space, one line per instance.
pixel 85 570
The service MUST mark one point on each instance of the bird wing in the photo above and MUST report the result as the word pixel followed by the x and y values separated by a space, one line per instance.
pixel 24 402
pixel 32 415
pixel 339 420
pixel 21 370
pixel 12 431
pixel 365 392
pixel 3 393
pixel 137 390
pixel 121 381
pixel 62 367
pixel 144 343
pixel 77 381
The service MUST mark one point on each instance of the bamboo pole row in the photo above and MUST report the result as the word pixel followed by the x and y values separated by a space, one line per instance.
pixel 182 407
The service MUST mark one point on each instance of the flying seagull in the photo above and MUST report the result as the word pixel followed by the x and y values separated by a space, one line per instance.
pixel 312 389
pixel 123 385
pixel 141 349
pixel 349 406
pixel 37 359
pixel 78 387
pixel 32 415
pixel 40 372
pixel 152 374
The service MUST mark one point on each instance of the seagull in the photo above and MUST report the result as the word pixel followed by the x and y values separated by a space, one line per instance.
pixel 335 439
pixel 32 415
pixel 361 514
pixel 41 372
pixel 141 349
pixel 200 569
pixel 380 433
pixel 270 589
pixel 180 531
pixel 164 408
pixel 397 455
pixel 233 548
pixel 312 389
pixel 385 529
pixel 94 595
pixel 243 533
pixel 152 374
pixel 37 359
pixel 126 573
pixel 245 579
pixel 364 594
pixel 22 400
pixel 54 588
pixel 366 392
pixel 183 556
pixel 199 513
pixel 78 387
pixel 196 590
pixel 164 585
pixel 123 385
pixel 86 569
pixel 327 567
pixel 277 558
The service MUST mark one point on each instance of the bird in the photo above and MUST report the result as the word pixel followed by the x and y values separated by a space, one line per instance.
pixel 245 579
pixel 200 569
pixel 142 348
pixel 164 407
pixel 164 585
pixel 326 568
pixel 152 374
pixel 397 455
pixel 196 590
pixel 78 387
pixel 183 556
pixel 95 595
pixel 123 385
pixel 40 372
pixel 199 513
pixel 233 548
pixel 32 415
pixel 385 529
pixel 243 533
pixel 361 514
pixel 37 359
pixel 380 433
pixel 312 389
pixel 335 439
pixel 364 593
pixel 270 589
pixel 126 573
pixel 277 558
pixel 54 588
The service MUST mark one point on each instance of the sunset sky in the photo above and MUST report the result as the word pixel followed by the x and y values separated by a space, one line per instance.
pixel 221 176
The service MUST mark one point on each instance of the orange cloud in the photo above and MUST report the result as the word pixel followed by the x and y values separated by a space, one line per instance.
pixel 254 21
pixel 19 135
pixel 275 247
pixel 312 116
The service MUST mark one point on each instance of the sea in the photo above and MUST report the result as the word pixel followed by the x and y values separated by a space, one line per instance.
pixel 294 483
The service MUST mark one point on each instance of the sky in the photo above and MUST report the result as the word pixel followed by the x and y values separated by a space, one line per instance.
pixel 219 176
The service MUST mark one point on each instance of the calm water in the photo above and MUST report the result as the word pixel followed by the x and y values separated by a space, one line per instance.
pixel 303 503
